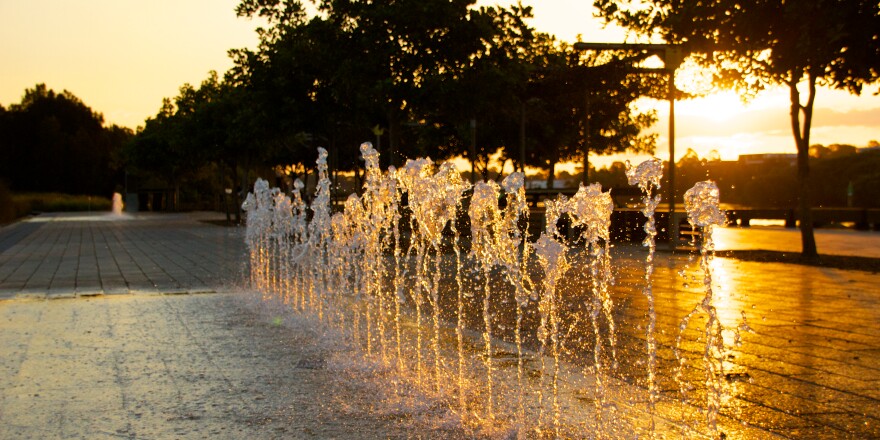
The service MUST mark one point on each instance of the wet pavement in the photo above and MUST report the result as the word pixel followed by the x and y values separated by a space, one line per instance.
pixel 93 344
pixel 57 255
pixel 126 328
pixel 809 367
pixel 828 241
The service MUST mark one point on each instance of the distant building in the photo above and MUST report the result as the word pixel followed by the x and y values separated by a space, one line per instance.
pixel 760 159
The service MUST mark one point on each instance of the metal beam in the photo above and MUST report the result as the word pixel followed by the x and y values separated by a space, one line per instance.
pixel 622 46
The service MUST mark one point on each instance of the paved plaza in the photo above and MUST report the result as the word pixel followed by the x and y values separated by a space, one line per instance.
pixel 127 327
pixel 59 255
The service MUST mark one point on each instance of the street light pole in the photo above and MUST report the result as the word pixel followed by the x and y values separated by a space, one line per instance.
pixel 672 227
pixel 672 56
pixel 473 150
pixel 588 138
pixel 522 138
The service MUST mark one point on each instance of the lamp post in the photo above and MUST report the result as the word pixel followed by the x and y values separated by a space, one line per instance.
pixel 472 154
pixel 672 56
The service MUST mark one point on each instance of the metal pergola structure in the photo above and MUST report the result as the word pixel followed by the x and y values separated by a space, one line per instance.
pixel 672 56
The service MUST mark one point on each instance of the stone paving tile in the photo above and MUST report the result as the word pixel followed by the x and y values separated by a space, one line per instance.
pixel 63 254
pixel 191 366
pixel 829 241
pixel 812 361
pixel 810 366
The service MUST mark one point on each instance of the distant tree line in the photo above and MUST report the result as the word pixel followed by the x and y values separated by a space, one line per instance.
pixel 838 179
pixel 434 78
pixel 842 176
pixel 53 142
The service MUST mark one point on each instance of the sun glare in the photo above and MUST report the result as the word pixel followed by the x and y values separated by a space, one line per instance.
pixel 716 107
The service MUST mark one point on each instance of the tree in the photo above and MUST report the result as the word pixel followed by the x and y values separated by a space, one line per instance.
pixel 583 104
pixel 479 104
pixel 435 77
pixel 54 142
pixel 754 44
pixel 216 125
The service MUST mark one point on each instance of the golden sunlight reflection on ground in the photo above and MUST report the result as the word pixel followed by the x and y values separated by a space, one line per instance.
pixel 829 241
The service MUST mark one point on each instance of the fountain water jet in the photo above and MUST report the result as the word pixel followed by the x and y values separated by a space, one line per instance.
pixel 552 257
pixel 117 206
pixel 647 176
pixel 362 272
pixel 701 203
pixel 514 256
pixel 486 227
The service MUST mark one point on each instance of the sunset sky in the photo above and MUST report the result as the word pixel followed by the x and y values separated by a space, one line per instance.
pixel 122 57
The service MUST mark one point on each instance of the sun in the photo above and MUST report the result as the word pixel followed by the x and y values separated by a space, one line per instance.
pixel 717 107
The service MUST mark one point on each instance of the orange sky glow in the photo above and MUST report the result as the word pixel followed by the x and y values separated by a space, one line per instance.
pixel 121 58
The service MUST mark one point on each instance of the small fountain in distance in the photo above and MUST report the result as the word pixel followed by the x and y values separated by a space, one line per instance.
pixel 117 206
pixel 518 338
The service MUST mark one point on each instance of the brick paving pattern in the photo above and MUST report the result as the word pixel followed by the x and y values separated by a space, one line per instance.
pixel 80 255
pixel 148 365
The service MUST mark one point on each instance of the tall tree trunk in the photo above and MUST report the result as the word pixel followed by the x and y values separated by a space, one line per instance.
pixel 236 195
pixel 245 176
pixel 176 201
pixel 802 141
pixel 588 139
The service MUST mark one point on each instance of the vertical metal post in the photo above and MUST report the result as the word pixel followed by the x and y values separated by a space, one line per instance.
pixel 522 139
pixel 587 138
pixel 473 152
pixel 673 224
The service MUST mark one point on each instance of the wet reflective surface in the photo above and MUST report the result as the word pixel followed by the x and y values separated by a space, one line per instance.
pixel 676 344
pixel 828 241
pixel 808 369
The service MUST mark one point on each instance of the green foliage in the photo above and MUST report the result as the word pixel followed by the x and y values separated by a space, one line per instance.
pixel 755 43
pixel 54 142
pixel 832 177
pixel 408 75
pixel 773 183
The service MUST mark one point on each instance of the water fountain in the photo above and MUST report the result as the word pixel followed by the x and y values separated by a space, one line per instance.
pixel 521 335
pixel 117 205
pixel 647 176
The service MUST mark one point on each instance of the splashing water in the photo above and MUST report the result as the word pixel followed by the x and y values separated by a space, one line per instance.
pixel 485 228
pixel 591 209
pixel 647 177
pixel 551 255
pixel 388 271
pixel 702 204
pixel 514 255
pixel 117 206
